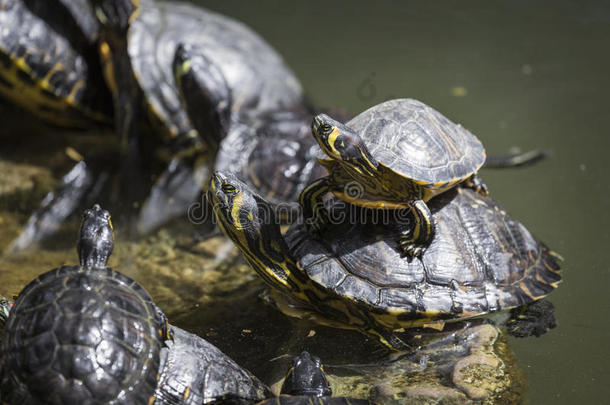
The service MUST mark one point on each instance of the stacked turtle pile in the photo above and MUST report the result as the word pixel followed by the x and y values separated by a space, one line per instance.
pixel 190 90
pixel 392 234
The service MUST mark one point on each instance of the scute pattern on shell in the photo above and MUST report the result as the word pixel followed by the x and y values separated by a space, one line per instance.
pixel 250 66
pixel 480 261
pixel 101 314
pixel 418 142
pixel 43 72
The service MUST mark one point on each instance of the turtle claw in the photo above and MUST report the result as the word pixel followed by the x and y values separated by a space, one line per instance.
pixel 409 247
pixel 475 183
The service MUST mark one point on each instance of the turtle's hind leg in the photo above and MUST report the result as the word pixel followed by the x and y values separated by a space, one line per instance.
pixel 474 182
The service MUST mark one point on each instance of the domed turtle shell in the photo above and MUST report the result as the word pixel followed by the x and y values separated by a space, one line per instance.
pixel 48 64
pixel 274 153
pixel 480 261
pixel 77 335
pixel 418 142
pixel 254 72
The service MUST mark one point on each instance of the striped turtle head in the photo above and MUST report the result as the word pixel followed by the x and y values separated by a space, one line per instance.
pixel 95 242
pixel 341 143
pixel 250 222
pixel 306 377
pixel 205 92
pixel 242 214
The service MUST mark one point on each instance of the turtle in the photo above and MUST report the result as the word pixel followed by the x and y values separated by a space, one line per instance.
pixel 306 383
pixel 260 126
pixel 354 275
pixel 49 64
pixel 237 71
pixel 397 154
pixel 89 333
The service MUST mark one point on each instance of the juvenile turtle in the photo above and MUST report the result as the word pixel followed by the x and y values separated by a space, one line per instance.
pixel 353 274
pixel 306 384
pixel 49 65
pixel 89 334
pixel 397 154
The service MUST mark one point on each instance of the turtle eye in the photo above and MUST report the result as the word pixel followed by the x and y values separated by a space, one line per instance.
pixel 229 189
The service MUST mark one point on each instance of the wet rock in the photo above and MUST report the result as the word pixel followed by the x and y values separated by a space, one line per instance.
pixel 468 365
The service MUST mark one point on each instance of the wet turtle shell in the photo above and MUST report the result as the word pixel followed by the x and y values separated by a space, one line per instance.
pixel 275 154
pixel 419 143
pixel 354 274
pixel 480 261
pixel 250 67
pixel 77 334
pixel 48 64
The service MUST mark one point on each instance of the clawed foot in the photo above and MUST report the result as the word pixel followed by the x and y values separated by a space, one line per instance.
pixel 410 247
pixel 475 183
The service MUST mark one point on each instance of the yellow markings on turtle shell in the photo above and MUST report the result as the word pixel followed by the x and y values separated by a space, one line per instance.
pixel 110 225
pixel 73 154
pixel 526 290
pixel 136 12
pixel 108 66
pixel 152 400
pixel 187 392
pixel 388 205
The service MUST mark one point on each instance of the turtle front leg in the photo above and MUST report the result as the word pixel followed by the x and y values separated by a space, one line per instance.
pixel 418 237
pixel 474 182
pixel 315 215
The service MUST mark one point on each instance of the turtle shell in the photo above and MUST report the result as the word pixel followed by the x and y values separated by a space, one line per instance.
pixel 49 67
pixel 197 372
pixel 81 336
pixel 256 74
pixel 418 142
pixel 274 153
pixel 480 261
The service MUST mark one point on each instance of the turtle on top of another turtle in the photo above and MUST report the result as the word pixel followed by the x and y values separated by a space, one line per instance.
pixel 306 384
pixel 397 154
pixel 353 274
pixel 89 334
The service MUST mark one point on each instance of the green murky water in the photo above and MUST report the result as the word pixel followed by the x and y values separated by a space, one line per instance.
pixel 516 74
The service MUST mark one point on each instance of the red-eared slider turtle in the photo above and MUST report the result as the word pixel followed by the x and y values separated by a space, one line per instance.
pixel 139 43
pixel 225 69
pixel 306 384
pixel 397 154
pixel 49 64
pixel 89 334
pixel 353 273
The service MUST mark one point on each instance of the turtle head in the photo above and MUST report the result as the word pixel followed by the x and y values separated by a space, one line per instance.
pixel 205 92
pixel 95 240
pixel 341 143
pixel 250 222
pixel 306 377
pixel 241 214
pixel 116 15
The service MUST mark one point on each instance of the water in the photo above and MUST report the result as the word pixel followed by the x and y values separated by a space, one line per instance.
pixel 517 74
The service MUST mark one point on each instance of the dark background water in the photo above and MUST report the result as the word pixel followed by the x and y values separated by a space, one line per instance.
pixel 518 74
